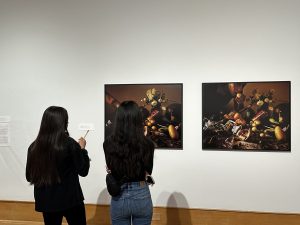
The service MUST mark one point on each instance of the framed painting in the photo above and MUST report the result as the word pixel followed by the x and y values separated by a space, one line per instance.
pixel 161 105
pixel 248 116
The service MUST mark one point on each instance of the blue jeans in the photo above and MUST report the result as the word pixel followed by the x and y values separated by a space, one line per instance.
pixel 134 204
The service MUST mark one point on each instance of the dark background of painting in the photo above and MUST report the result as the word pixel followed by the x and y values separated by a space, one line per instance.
pixel 136 92
pixel 214 101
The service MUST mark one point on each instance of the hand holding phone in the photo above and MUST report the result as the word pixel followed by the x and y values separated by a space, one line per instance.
pixel 149 179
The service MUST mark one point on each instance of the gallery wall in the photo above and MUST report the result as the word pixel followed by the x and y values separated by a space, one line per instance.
pixel 63 52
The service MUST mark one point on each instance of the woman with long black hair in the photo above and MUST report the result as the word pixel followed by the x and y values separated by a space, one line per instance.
pixel 129 157
pixel 54 162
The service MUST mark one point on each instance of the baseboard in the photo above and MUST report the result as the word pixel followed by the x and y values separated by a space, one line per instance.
pixel 22 213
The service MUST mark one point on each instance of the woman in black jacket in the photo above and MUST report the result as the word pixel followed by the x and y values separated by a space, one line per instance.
pixel 129 157
pixel 54 162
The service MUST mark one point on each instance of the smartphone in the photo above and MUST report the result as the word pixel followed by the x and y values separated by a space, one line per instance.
pixel 149 179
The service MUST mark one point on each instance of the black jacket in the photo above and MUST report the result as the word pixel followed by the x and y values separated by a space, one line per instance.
pixel 66 194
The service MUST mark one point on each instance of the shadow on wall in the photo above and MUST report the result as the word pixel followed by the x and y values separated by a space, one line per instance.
pixel 102 214
pixel 178 212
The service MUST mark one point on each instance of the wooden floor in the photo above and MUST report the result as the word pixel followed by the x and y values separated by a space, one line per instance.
pixel 15 222
pixel 23 213
pixel 12 222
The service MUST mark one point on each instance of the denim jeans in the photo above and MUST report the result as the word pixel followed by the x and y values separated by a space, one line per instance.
pixel 133 205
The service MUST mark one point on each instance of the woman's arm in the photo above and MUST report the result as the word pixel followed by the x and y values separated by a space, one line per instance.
pixel 149 155
pixel 106 154
pixel 80 158
pixel 27 173
pixel 27 169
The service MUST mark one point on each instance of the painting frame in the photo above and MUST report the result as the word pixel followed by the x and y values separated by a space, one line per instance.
pixel 274 135
pixel 170 96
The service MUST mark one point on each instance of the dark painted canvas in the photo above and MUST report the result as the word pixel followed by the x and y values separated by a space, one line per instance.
pixel 250 116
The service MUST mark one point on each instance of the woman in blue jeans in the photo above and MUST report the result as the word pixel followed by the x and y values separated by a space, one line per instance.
pixel 129 156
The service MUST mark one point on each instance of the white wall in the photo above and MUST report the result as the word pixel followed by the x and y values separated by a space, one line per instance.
pixel 63 52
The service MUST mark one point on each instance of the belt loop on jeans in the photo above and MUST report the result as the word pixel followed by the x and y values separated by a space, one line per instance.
pixel 142 183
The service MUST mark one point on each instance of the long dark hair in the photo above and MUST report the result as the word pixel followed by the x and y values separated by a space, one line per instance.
pixel 43 154
pixel 127 147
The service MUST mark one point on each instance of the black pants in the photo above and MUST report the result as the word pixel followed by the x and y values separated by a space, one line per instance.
pixel 74 216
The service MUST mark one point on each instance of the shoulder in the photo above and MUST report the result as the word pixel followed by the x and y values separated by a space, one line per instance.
pixel 149 143
pixel 31 147
pixel 70 140
pixel 147 146
pixel 108 142
pixel 71 143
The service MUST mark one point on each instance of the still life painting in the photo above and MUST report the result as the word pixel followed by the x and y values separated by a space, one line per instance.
pixel 246 116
